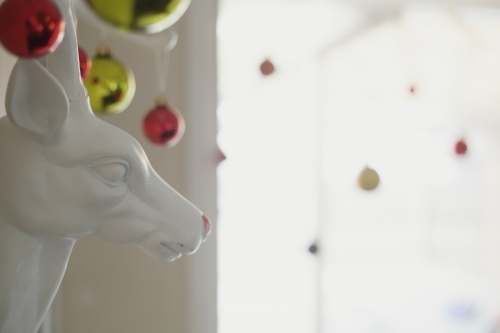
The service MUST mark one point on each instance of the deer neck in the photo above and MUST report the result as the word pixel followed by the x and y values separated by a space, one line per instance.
pixel 32 270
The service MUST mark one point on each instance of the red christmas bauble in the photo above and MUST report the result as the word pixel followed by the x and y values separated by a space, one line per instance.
pixel 164 125
pixel 85 63
pixel 30 28
pixel 460 147
pixel 267 68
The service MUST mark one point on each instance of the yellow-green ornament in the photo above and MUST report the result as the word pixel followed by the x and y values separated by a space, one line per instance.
pixel 148 16
pixel 368 179
pixel 111 85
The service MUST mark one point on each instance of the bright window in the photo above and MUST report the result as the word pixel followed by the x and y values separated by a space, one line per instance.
pixel 393 89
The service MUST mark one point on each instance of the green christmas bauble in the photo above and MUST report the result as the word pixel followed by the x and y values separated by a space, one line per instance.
pixel 148 16
pixel 111 86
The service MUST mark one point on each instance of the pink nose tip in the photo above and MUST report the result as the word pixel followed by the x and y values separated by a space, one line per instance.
pixel 207 227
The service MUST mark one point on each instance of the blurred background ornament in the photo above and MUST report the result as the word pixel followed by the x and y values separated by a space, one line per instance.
pixel 219 156
pixel 313 248
pixel 148 16
pixel 30 28
pixel 461 311
pixel 460 147
pixel 368 179
pixel 164 125
pixel 111 85
pixel 267 68
pixel 85 63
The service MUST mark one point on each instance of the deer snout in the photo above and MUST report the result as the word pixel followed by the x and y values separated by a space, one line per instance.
pixel 205 232
pixel 179 226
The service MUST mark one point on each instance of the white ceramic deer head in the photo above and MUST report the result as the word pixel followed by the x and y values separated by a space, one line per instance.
pixel 65 174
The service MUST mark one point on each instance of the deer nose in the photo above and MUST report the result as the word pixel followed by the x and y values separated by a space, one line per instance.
pixel 207 227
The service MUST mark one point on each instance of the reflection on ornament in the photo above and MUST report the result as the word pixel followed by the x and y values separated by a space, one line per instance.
pixel 148 16
pixel 85 63
pixel 460 147
pixel 164 125
pixel 30 28
pixel 368 179
pixel 267 68
pixel 111 86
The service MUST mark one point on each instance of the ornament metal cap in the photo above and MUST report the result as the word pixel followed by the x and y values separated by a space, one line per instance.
pixel 103 52
pixel 161 102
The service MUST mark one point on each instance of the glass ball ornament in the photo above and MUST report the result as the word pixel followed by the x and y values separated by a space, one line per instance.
pixel 31 28
pixel 267 68
pixel 149 16
pixel 110 85
pixel 164 125
pixel 460 147
pixel 368 179
pixel 85 63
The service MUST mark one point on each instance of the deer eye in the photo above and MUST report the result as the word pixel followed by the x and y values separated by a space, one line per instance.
pixel 112 173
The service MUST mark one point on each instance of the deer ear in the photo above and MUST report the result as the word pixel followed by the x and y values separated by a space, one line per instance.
pixel 35 100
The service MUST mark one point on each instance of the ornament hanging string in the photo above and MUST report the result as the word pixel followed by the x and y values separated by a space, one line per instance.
pixel 103 38
pixel 162 62
pixel 163 125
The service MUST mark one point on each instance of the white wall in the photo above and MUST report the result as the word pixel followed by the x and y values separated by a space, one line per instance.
pixel 6 63
pixel 117 288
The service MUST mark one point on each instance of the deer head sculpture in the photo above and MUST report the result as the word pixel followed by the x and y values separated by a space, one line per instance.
pixel 65 174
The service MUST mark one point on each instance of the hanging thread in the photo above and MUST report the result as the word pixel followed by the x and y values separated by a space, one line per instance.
pixel 162 63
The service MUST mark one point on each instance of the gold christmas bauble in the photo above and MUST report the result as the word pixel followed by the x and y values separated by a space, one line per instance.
pixel 368 179
pixel 148 16
pixel 111 85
